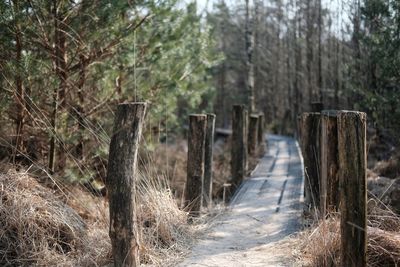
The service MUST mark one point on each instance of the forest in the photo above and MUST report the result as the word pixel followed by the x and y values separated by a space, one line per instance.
pixel 66 65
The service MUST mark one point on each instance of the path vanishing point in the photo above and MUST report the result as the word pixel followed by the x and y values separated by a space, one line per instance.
pixel 265 211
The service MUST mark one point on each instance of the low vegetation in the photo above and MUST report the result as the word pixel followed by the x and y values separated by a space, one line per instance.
pixel 67 226
pixel 319 246
pixel 46 221
pixel 38 227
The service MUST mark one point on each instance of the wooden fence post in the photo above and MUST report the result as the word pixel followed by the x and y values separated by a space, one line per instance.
pixel 208 161
pixel 239 145
pixel 195 162
pixel 329 162
pixel 353 187
pixel 261 138
pixel 310 133
pixel 121 179
pixel 253 134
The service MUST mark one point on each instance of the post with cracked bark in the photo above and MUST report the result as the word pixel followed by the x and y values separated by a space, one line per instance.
pixel 239 145
pixel 329 201
pixel 208 161
pixel 122 175
pixel 195 163
pixel 353 187
pixel 310 134
pixel 253 134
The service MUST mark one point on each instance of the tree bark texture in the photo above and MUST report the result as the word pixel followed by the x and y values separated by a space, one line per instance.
pixel 208 161
pixel 122 175
pixel 310 134
pixel 195 163
pixel 253 134
pixel 329 162
pixel 353 187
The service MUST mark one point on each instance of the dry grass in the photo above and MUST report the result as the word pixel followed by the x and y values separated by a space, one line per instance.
pixel 67 226
pixel 44 222
pixel 165 235
pixel 389 168
pixel 221 167
pixel 38 228
pixel 170 161
pixel 47 222
pixel 320 245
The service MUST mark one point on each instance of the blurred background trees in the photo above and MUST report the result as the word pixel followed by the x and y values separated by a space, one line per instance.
pixel 65 64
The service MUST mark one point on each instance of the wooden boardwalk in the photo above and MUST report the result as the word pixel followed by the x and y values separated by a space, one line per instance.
pixel 264 212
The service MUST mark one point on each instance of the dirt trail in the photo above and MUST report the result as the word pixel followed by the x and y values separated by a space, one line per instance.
pixel 264 212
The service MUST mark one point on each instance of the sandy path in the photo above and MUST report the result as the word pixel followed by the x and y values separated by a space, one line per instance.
pixel 265 211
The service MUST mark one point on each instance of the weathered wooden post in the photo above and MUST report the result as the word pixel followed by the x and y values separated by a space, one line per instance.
pixel 208 161
pixel 329 162
pixel 310 134
pixel 261 138
pixel 353 187
pixel 195 162
pixel 121 179
pixel 253 134
pixel 239 145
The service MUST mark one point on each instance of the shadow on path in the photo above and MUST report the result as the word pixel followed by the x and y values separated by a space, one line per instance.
pixel 265 210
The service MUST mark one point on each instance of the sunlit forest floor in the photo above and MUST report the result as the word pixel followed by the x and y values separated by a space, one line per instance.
pixel 50 221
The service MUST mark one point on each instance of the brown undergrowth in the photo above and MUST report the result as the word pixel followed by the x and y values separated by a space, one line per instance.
pixel 320 245
pixel 64 225
pixel 48 222
pixel 170 161
pixel 39 228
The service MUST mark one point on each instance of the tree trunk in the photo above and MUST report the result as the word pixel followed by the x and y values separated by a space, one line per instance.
pixel 80 110
pixel 249 37
pixel 310 52
pixel 19 90
pixel 122 175
pixel 60 67
pixel 195 163
pixel 356 49
pixel 221 97
pixel 353 187
pixel 338 82
pixel 289 81
pixel 298 99
pixel 320 81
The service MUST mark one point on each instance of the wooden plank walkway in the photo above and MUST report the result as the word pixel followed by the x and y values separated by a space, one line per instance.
pixel 266 210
